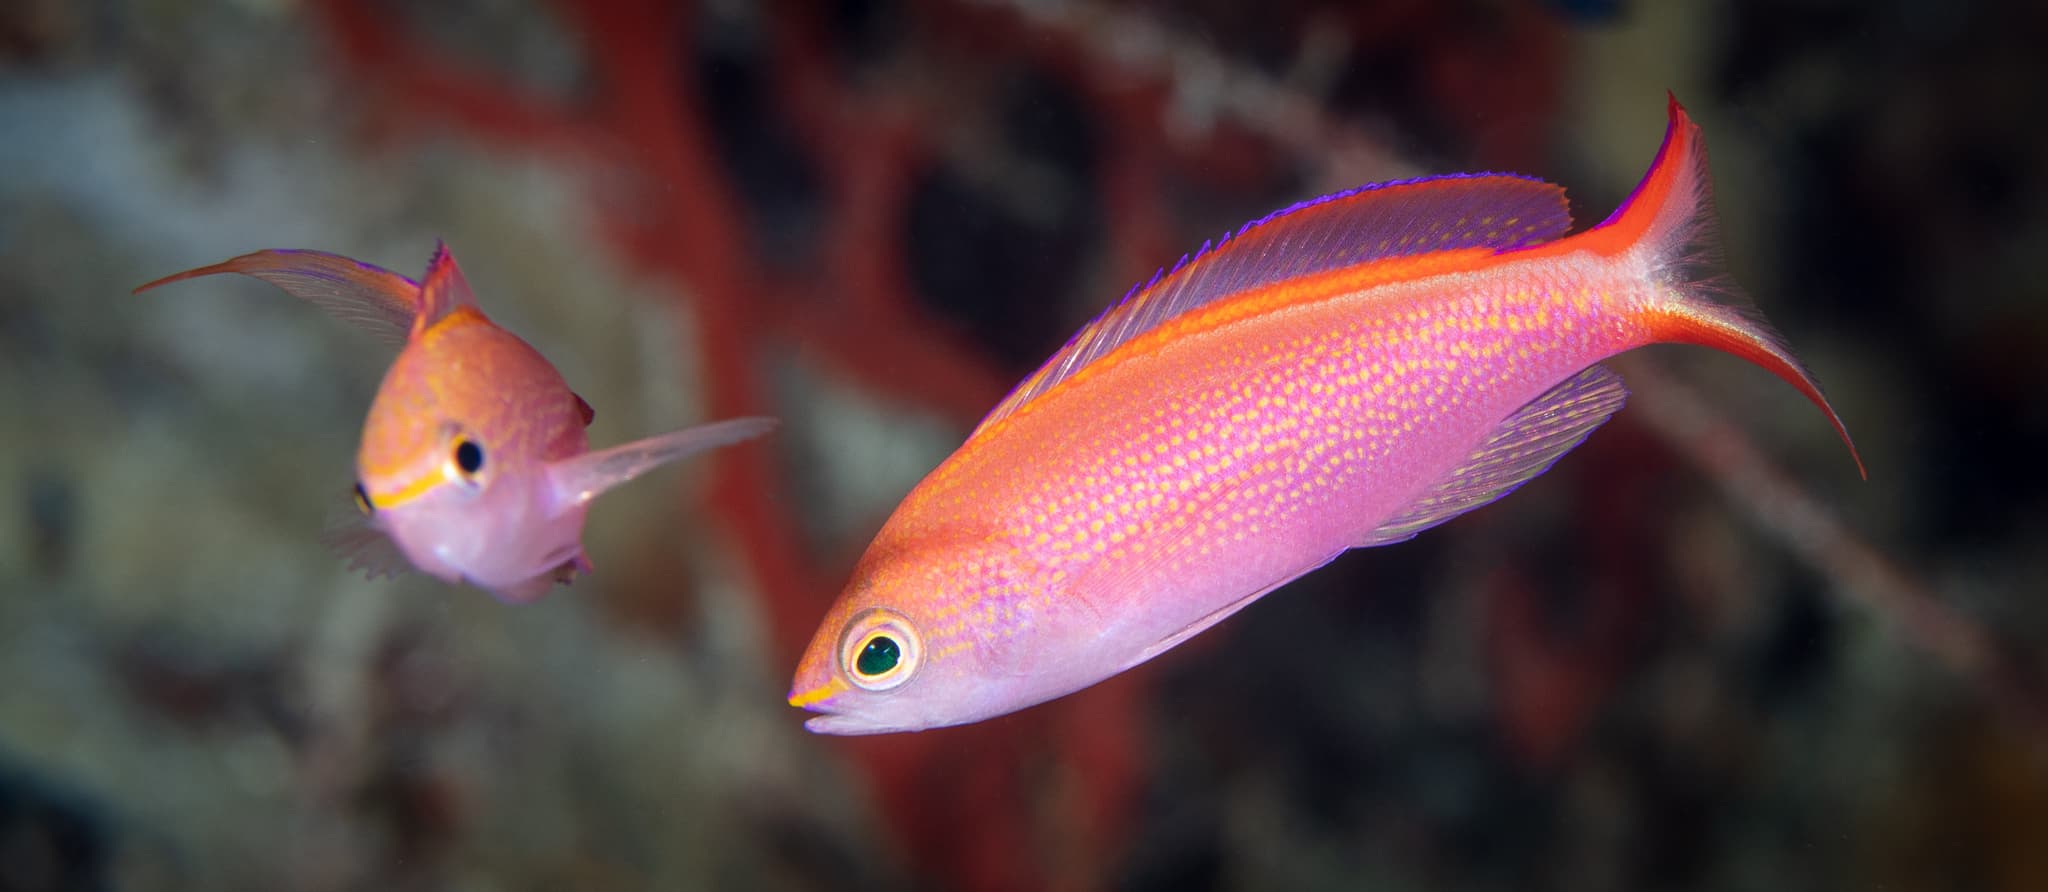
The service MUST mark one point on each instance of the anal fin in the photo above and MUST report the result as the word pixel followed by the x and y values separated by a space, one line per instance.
pixel 1524 445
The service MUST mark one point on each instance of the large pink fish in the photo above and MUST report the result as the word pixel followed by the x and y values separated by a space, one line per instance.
pixel 474 462
pixel 1345 373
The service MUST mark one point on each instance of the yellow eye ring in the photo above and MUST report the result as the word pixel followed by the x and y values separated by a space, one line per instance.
pixel 881 650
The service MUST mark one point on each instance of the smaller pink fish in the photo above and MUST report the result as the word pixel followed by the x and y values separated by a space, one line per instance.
pixel 474 461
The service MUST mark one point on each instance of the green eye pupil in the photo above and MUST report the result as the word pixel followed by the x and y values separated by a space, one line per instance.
pixel 879 655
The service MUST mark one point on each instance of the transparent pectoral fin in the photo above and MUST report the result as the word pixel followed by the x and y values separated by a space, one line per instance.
pixel 354 538
pixel 578 480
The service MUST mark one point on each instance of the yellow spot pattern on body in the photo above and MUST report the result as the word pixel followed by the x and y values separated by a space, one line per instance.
pixel 1282 427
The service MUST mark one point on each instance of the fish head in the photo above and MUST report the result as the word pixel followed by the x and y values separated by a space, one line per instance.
pixel 454 456
pixel 943 631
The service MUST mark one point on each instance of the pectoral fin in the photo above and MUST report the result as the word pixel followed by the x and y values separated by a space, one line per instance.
pixel 585 477
pixel 354 537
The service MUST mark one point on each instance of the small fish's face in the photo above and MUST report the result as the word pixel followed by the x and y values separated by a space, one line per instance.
pixel 454 459
pixel 898 652
pixel 463 512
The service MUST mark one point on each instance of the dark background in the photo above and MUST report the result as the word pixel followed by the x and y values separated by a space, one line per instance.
pixel 1681 660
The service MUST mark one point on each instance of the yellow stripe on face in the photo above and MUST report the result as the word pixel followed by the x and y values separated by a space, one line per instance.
pixel 413 490
pixel 818 694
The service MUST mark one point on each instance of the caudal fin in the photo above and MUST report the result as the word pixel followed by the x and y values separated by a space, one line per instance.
pixel 1668 223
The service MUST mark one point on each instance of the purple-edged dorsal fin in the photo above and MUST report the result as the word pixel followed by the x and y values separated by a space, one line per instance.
pixel 1522 447
pixel 443 290
pixel 371 298
pixel 1375 222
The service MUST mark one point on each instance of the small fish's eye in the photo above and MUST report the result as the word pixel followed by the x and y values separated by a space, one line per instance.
pixel 363 502
pixel 469 457
pixel 881 650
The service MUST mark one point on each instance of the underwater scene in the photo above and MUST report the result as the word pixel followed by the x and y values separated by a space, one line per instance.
pixel 995 445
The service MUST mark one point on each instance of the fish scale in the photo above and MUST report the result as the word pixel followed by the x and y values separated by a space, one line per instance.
pixel 1348 372
pixel 1267 439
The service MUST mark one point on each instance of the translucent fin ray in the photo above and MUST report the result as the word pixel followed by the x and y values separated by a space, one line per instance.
pixel 1669 221
pixel 361 546
pixel 368 297
pixel 585 477
pixel 1520 449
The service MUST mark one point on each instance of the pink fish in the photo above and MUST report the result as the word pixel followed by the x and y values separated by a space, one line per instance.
pixel 1345 373
pixel 474 463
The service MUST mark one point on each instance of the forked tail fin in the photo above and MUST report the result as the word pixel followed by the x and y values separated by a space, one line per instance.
pixel 1668 224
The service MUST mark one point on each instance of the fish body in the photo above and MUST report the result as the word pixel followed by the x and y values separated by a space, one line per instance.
pixel 474 465
pixel 1346 373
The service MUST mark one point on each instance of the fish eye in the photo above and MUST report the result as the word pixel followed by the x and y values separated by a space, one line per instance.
pixel 363 502
pixel 468 457
pixel 878 656
pixel 881 650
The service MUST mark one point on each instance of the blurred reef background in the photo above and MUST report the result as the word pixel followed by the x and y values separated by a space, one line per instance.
pixel 1698 655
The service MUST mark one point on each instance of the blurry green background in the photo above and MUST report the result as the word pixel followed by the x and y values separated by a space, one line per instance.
pixel 869 218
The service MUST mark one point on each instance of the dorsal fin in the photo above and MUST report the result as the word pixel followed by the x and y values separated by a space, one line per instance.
pixel 1374 222
pixel 1523 446
pixel 443 290
pixel 369 297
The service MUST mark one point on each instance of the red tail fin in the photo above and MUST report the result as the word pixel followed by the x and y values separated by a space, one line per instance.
pixel 1668 222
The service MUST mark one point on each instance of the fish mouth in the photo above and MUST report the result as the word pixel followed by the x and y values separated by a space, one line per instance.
pixel 828 723
pixel 844 725
pixel 816 698
pixel 829 720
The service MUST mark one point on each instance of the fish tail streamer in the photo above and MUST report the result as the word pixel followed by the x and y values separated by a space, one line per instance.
pixel 1668 224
